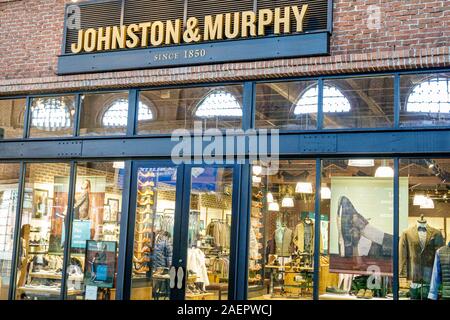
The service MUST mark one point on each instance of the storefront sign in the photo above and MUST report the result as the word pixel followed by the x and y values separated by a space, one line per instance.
pixel 299 29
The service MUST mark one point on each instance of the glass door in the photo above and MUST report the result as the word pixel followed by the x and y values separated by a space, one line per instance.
pixel 182 231
pixel 208 219
pixel 154 198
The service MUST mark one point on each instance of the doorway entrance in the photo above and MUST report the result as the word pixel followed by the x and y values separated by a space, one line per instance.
pixel 183 218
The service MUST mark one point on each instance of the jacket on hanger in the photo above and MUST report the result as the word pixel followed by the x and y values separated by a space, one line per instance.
pixel 304 237
pixel 283 242
pixel 196 262
pixel 416 261
pixel 162 254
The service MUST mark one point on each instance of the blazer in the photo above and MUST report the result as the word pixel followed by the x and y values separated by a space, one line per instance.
pixel 283 242
pixel 416 264
pixel 299 237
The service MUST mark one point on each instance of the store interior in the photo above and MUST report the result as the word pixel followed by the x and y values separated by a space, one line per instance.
pixel 96 220
pixel 281 246
pixel 282 237
pixel 208 234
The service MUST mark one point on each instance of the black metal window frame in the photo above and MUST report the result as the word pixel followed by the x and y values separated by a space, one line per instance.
pixel 248 106
pixel 394 143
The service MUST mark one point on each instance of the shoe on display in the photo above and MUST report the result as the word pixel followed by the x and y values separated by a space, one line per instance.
pixel 335 290
pixel 361 293
pixel 368 294
pixel 350 226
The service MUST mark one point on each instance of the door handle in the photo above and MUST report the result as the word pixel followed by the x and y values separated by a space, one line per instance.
pixel 180 277
pixel 172 274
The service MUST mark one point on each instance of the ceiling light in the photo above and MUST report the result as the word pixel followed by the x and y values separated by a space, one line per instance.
pixel 269 197
pixel 384 172
pixel 304 187
pixel 257 170
pixel 256 179
pixel 364 163
pixel 119 165
pixel 274 206
pixel 325 193
pixel 428 204
pixel 419 199
pixel 287 202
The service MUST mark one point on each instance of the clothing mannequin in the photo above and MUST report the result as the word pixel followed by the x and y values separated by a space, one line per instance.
pixel 441 274
pixel 283 240
pixel 418 246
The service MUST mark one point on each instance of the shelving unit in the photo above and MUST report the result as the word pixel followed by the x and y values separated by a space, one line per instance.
pixel 145 221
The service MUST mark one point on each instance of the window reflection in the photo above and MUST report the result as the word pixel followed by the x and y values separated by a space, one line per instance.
pixel 333 101
pixel 219 103
pixel 104 114
pixel 366 102
pixel 52 116
pixel 425 100
pixel 211 107
pixel 12 118
pixel 287 105
pixel 432 95
pixel 116 115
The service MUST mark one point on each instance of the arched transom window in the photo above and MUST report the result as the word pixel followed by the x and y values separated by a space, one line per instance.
pixel 50 114
pixel 116 115
pixel 430 96
pixel 219 103
pixel 333 101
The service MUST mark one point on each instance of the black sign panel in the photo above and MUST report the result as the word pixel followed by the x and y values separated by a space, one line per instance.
pixel 98 16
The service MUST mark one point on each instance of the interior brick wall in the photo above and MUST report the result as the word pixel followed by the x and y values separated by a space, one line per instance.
pixel 412 34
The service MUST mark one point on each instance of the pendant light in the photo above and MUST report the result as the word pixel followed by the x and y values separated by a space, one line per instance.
pixel 287 202
pixel 269 197
pixel 256 179
pixel 257 170
pixel 274 206
pixel 304 187
pixel 325 193
pixel 384 171
pixel 419 199
pixel 428 204
pixel 363 163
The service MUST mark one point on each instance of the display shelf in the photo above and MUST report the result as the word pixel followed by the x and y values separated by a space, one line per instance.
pixel 47 291
pixel 55 276
pixel 333 296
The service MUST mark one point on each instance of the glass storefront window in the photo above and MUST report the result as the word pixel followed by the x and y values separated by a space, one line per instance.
pixel 162 111
pixel 358 102
pixel 357 229
pixel 281 248
pixel 287 105
pixel 52 116
pixel 104 114
pixel 209 234
pixel 154 232
pixel 12 113
pixel 425 100
pixel 9 183
pixel 92 269
pixel 424 229
pixel 41 248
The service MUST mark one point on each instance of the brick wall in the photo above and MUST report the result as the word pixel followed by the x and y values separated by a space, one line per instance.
pixel 411 34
